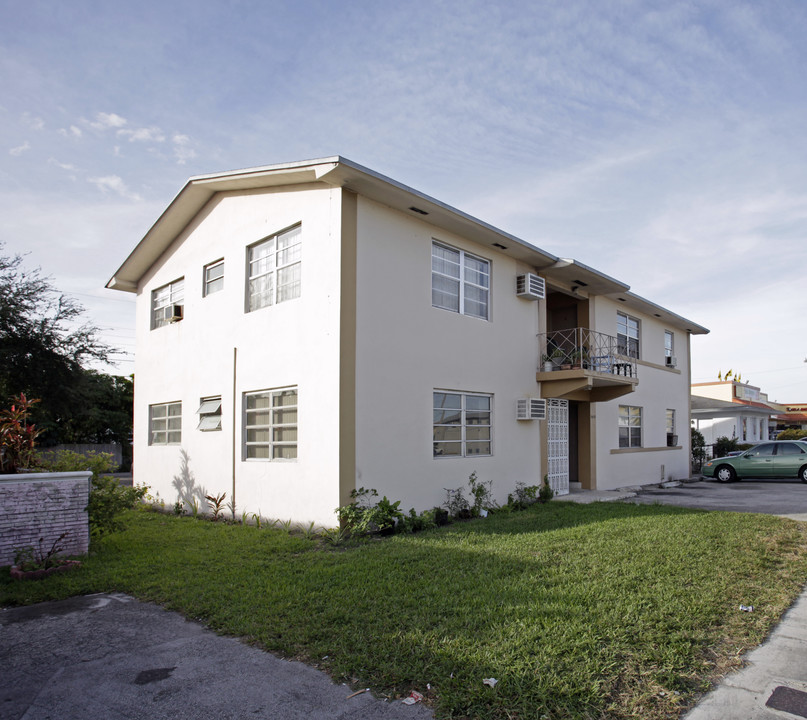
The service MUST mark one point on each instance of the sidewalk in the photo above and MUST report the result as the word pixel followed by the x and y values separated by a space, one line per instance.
pixel 773 685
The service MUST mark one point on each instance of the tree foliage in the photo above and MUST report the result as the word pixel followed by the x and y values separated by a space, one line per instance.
pixel 44 347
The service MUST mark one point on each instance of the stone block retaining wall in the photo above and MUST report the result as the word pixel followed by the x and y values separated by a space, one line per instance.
pixel 43 505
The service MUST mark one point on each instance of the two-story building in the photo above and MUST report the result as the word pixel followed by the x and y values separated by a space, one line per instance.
pixel 310 328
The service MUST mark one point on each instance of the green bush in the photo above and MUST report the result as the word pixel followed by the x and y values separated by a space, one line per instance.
pixel 698 448
pixel 70 461
pixel 792 434
pixel 724 445
pixel 108 501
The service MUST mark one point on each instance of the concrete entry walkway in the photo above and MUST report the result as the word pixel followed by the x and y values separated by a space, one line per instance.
pixel 110 656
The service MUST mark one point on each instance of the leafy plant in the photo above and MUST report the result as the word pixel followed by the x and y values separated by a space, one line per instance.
pixel 523 496
pixel 256 518
pixel 724 445
pixel 482 494
pixel 215 502
pixel 456 503
pixel 791 434
pixel 179 508
pixel 334 536
pixel 698 445
pixel 29 558
pixel 70 461
pixel 231 508
pixel 17 435
pixel 386 515
pixel 545 493
pixel 108 501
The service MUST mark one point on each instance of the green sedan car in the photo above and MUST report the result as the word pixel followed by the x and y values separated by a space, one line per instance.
pixel 778 459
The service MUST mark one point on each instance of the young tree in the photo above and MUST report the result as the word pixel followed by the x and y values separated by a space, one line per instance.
pixel 43 345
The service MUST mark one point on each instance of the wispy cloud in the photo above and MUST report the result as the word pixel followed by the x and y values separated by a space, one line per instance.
pixel 73 131
pixel 182 150
pixel 63 166
pixel 104 121
pixel 149 134
pixel 33 122
pixel 115 184
pixel 20 149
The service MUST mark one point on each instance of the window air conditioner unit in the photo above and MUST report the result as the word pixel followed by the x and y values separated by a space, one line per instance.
pixel 530 409
pixel 173 313
pixel 670 361
pixel 530 286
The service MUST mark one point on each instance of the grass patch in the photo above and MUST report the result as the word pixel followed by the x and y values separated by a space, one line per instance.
pixel 580 611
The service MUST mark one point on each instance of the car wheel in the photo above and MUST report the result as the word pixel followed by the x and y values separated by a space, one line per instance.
pixel 725 473
pixel 803 474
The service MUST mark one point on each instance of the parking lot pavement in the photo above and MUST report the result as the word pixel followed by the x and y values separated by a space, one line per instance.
pixel 786 497
pixel 110 656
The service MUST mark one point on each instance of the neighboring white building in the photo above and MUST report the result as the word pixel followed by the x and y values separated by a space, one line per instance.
pixel 732 409
pixel 310 328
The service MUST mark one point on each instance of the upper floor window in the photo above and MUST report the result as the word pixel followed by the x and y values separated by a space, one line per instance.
pixel 462 424
pixel 167 303
pixel 214 278
pixel 271 425
pixel 630 426
pixel 209 413
pixel 669 348
pixel 460 281
pixel 627 335
pixel 274 269
pixel 165 424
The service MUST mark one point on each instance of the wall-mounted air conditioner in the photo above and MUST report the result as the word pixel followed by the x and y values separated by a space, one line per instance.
pixel 173 313
pixel 670 361
pixel 530 409
pixel 530 286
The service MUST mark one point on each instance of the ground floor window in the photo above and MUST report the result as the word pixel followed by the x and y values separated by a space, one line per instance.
pixel 165 424
pixel 270 425
pixel 461 424
pixel 630 426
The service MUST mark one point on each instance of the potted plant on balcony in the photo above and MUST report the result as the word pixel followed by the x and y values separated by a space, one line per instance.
pixel 559 358
pixel 548 365
pixel 580 358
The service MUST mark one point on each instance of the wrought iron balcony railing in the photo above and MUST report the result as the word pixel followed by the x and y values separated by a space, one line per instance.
pixel 581 348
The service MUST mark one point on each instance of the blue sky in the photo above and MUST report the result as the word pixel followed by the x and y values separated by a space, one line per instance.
pixel 660 142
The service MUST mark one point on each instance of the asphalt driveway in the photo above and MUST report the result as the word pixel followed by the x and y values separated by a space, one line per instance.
pixel 786 496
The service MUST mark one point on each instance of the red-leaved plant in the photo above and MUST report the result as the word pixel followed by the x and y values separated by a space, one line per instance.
pixel 17 435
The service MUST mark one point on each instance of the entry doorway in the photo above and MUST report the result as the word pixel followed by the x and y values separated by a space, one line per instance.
pixel 557 431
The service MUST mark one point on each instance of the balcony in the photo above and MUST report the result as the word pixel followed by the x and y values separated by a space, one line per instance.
pixel 584 365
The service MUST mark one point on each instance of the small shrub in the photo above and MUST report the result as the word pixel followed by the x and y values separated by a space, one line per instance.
pixel 792 434
pixel 215 502
pixel 545 493
pixel 108 501
pixel 415 522
pixel 724 445
pixel 698 449
pixel 456 503
pixel 17 436
pixel 179 508
pixel 482 494
pixel 70 461
pixel 523 496
pixel 28 558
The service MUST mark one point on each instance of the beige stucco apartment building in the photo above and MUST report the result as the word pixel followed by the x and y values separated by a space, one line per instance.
pixel 310 328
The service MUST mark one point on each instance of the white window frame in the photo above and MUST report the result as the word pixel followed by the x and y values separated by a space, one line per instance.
pixel 465 281
pixel 670 421
pixel 209 413
pixel 213 283
pixel 628 335
pixel 165 423
pixel 458 411
pixel 278 269
pixel 669 343
pixel 163 301
pixel 277 450
pixel 630 418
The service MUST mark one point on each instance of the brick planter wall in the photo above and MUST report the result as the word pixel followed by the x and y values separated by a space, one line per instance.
pixel 43 505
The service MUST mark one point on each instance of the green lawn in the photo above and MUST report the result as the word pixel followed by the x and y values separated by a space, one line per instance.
pixel 580 611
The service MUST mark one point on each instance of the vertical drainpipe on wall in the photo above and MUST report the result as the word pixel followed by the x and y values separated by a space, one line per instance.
pixel 235 365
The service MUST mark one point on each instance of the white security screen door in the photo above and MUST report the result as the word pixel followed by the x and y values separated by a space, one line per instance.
pixel 557 429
